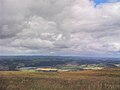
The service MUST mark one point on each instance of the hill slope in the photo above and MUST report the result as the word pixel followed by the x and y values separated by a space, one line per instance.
pixel 106 79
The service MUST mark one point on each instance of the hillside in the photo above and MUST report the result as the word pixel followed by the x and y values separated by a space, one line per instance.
pixel 105 79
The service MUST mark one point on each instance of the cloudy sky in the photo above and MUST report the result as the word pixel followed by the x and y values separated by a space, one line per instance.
pixel 60 27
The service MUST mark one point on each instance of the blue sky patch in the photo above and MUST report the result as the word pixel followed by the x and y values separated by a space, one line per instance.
pixel 100 1
pixel 105 1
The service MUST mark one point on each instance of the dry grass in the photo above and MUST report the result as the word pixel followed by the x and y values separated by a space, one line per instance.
pixel 107 79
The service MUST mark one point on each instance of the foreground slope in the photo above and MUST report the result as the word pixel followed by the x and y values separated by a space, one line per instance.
pixel 105 79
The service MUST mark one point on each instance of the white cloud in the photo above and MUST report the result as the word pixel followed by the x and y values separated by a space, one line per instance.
pixel 59 26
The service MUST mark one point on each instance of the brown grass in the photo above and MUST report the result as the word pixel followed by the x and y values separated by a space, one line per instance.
pixel 106 79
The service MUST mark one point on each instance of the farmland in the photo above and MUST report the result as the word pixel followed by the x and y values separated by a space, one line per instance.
pixel 14 63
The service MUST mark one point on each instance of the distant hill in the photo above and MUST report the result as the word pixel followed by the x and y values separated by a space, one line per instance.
pixel 16 62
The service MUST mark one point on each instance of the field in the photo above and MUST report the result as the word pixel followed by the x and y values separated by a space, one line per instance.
pixel 105 79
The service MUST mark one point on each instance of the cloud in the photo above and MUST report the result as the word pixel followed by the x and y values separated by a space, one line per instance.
pixel 59 26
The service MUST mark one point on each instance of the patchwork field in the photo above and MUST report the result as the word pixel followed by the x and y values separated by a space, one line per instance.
pixel 105 79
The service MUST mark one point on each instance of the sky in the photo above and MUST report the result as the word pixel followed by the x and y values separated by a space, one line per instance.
pixel 100 1
pixel 105 1
pixel 60 27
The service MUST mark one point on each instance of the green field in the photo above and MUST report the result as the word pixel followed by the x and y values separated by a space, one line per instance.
pixel 105 79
